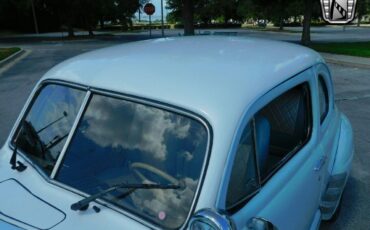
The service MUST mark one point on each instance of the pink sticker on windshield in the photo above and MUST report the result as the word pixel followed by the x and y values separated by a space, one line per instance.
pixel 162 215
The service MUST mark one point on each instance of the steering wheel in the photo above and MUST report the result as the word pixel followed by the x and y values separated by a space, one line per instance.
pixel 136 166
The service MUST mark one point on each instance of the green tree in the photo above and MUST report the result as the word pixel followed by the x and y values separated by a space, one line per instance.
pixel 306 32
pixel 67 13
pixel 183 10
pixel 126 10
pixel 226 10
pixel 363 7
pixel 17 16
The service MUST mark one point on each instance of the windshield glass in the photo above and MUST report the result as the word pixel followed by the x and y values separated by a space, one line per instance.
pixel 119 141
pixel 44 130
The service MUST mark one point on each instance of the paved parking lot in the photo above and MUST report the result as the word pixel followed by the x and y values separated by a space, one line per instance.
pixel 352 92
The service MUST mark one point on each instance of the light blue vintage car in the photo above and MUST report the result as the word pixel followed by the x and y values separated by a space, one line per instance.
pixel 179 133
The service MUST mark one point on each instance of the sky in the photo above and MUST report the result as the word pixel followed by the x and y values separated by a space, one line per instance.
pixel 157 14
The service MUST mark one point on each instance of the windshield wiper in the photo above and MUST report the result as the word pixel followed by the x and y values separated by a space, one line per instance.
pixel 84 203
pixel 13 160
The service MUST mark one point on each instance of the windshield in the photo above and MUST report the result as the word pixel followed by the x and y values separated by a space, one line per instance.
pixel 44 130
pixel 119 141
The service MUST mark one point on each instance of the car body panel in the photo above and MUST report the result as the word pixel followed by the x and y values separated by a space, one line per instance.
pixel 13 196
pixel 344 154
pixel 224 80
pixel 295 200
pixel 6 226
pixel 328 128
pixel 191 72
pixel 62 199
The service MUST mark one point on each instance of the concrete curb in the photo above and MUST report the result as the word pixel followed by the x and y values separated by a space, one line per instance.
pixel 11 58
pixel 344 60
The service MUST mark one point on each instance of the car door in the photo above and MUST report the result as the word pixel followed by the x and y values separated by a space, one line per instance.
pixel 275 177
pixel 329 123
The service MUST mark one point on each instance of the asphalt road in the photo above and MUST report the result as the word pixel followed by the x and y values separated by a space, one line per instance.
pixel 330 33
pixel 352 92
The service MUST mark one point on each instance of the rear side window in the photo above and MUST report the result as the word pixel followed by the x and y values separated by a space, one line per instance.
pixel 273 135
pixel 323 99
pixel 44 130
pixel 287 123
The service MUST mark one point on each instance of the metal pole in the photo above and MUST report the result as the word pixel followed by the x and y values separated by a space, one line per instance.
pixel 139 14
pixel 34 17
pixel 162 18
pixel 150 26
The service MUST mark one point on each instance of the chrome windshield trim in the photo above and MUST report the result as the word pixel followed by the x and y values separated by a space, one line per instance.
pixel 70 135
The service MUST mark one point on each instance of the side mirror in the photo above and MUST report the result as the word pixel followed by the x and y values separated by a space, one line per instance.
pixel 258 223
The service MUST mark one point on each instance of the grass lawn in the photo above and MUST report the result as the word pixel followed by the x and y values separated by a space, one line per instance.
pixel 270 29
pixel 360 49
pixel 6 52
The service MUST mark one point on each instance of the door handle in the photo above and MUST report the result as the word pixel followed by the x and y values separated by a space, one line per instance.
pixel 258 223
pixel 320 163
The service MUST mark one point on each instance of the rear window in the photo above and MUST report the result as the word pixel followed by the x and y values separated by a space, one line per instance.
pixel 323 99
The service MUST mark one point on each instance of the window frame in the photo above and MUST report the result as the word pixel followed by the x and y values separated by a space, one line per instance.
pixel 321 69
pixel 251 124
pixel 321 81
pixel 25 112
pixel 304 77
pixel 310 125
pixel 90 91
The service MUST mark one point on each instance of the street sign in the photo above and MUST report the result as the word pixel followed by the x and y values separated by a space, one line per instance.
pixel 149 9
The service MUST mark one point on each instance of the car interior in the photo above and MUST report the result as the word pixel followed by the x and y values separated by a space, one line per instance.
pixel 281 128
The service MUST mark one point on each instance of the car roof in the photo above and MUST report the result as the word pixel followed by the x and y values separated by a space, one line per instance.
pixel 213 76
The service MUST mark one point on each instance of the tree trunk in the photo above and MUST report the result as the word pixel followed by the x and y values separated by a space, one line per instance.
pixel 131 24
pixel 188 17
pixel 306 33
pixel 101 22
pixel 71 33
pixel 359 16
pixel 91 33
pixel 281 23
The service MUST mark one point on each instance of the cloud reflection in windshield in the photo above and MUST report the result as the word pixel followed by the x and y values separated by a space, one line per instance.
pixel 143 128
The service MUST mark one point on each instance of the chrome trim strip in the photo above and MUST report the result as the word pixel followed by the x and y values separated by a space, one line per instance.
pixel 70 135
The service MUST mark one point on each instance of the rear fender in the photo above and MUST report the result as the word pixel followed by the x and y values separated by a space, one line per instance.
pixel 345 151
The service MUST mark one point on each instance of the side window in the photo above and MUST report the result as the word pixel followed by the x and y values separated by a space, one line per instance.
pixel 244 180
pixel 282 128
pixel 275 134
pixel 323 99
